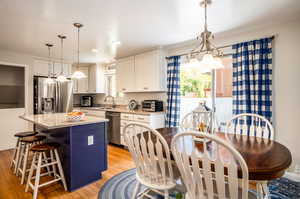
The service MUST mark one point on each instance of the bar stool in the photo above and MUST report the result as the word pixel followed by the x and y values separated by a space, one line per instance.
pixel 26 143
pixel 16 154
pixel 38 163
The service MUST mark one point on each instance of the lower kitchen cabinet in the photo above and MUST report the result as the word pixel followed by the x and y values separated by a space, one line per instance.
pixel 153 120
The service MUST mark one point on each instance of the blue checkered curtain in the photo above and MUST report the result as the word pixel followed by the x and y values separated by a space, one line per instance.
pixel 173 86
pixel 252 77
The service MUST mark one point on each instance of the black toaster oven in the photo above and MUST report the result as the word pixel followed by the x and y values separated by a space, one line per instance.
pixel 152 105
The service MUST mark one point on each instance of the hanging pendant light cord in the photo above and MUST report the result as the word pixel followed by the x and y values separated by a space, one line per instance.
pixel 61 55
pixel 205 15
pixel 78 48
pixel 49 64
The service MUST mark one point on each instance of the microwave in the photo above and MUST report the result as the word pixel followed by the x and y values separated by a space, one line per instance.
pixel 152 105
pixel 86 101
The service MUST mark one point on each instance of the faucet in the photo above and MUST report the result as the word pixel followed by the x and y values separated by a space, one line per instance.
pixel 107 97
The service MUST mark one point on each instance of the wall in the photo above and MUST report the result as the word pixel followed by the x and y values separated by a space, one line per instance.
pixel 286 81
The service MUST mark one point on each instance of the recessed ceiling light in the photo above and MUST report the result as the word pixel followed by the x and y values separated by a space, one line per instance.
pixel 116 43
pixel 94 50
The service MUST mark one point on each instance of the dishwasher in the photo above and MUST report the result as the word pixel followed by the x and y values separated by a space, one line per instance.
pixel 114 125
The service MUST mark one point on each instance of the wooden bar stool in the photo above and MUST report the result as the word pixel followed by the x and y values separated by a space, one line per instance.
pixel 38 163
pixel 16 154
pixel 26 143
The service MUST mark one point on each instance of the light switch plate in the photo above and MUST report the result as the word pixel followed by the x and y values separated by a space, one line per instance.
pixel 90 140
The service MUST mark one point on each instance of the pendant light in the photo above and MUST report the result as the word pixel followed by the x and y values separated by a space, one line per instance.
pixel 210 59
pixel 78 74
pixel 49 80
pixel 61 77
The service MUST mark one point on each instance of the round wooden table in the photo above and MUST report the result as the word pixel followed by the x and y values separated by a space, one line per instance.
pixel 266 159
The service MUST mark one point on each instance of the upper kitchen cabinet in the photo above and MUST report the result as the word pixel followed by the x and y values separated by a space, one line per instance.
pixel 41 67
pixel 142 73
pixel 150 72
pixel 125 75
pixel 96 79
pixel 67 69
pixel 145 72
pixel 82 85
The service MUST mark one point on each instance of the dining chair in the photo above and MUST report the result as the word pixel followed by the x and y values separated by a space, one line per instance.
pixel 197 121
pixel 257 126
pixel 211 168
pixel 151 156
pixel 250 124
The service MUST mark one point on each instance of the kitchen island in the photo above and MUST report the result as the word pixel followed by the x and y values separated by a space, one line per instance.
pixel 83 145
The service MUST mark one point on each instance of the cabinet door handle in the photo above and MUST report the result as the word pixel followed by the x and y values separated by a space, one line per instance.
pixel 141 118
pixel 123 89
pixel 145 88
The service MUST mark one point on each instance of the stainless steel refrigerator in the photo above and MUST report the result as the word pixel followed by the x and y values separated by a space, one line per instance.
pixel 52 98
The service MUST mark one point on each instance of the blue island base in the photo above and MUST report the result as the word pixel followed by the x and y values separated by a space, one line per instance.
pixel 83 152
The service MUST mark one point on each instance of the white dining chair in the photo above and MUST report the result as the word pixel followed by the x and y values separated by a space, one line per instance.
pixel 257 126
pixel 250 124
pixel 151 156
pixel 194 120
pixel 206 173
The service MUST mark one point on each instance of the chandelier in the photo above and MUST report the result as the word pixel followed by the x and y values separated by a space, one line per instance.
pixel 78 74
pixel 211 58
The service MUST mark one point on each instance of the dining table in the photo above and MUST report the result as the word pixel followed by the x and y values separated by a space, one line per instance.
pixel 266 159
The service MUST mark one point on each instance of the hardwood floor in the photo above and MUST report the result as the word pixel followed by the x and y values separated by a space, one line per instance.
pixel 10 188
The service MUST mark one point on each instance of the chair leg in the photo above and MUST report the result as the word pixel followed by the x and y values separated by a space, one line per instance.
pixel 136 189
pixel 60 169
pixel 37 176
pixel 46 162
pixel 14 157
pixel 30 172
pixel 53 166
pixel 166 194
pixel 265 190
pixel 20 157
pixel 24 168
pixel 260 189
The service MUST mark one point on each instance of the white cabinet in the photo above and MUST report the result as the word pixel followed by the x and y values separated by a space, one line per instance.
pixel 125 75
pixel 83 84
pixel 149 72
pixel 96 79
pixel 145 72
pixel 66 70
pixel 155 121
pixel 40 68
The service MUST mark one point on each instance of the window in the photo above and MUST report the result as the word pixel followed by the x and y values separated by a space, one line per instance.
pixel 196 87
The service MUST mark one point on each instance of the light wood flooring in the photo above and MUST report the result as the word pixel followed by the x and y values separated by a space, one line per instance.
pixel 10 188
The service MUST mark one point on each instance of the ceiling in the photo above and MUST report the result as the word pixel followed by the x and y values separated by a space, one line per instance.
pixel 139 24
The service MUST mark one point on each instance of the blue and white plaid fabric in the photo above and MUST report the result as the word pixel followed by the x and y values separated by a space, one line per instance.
pixel 252 77
pixel 173 85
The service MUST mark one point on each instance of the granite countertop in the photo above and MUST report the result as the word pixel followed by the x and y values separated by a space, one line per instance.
pixel 58 120
pixel 121 110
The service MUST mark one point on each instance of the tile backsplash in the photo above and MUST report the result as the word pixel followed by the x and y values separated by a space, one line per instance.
pixel 126 97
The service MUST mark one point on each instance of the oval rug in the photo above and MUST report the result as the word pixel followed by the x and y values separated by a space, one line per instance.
pixel 121 186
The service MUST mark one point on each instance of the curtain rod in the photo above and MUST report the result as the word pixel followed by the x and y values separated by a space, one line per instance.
pixel 221 47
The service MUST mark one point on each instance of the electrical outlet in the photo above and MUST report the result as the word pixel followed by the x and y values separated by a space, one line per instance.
pixel 90 140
